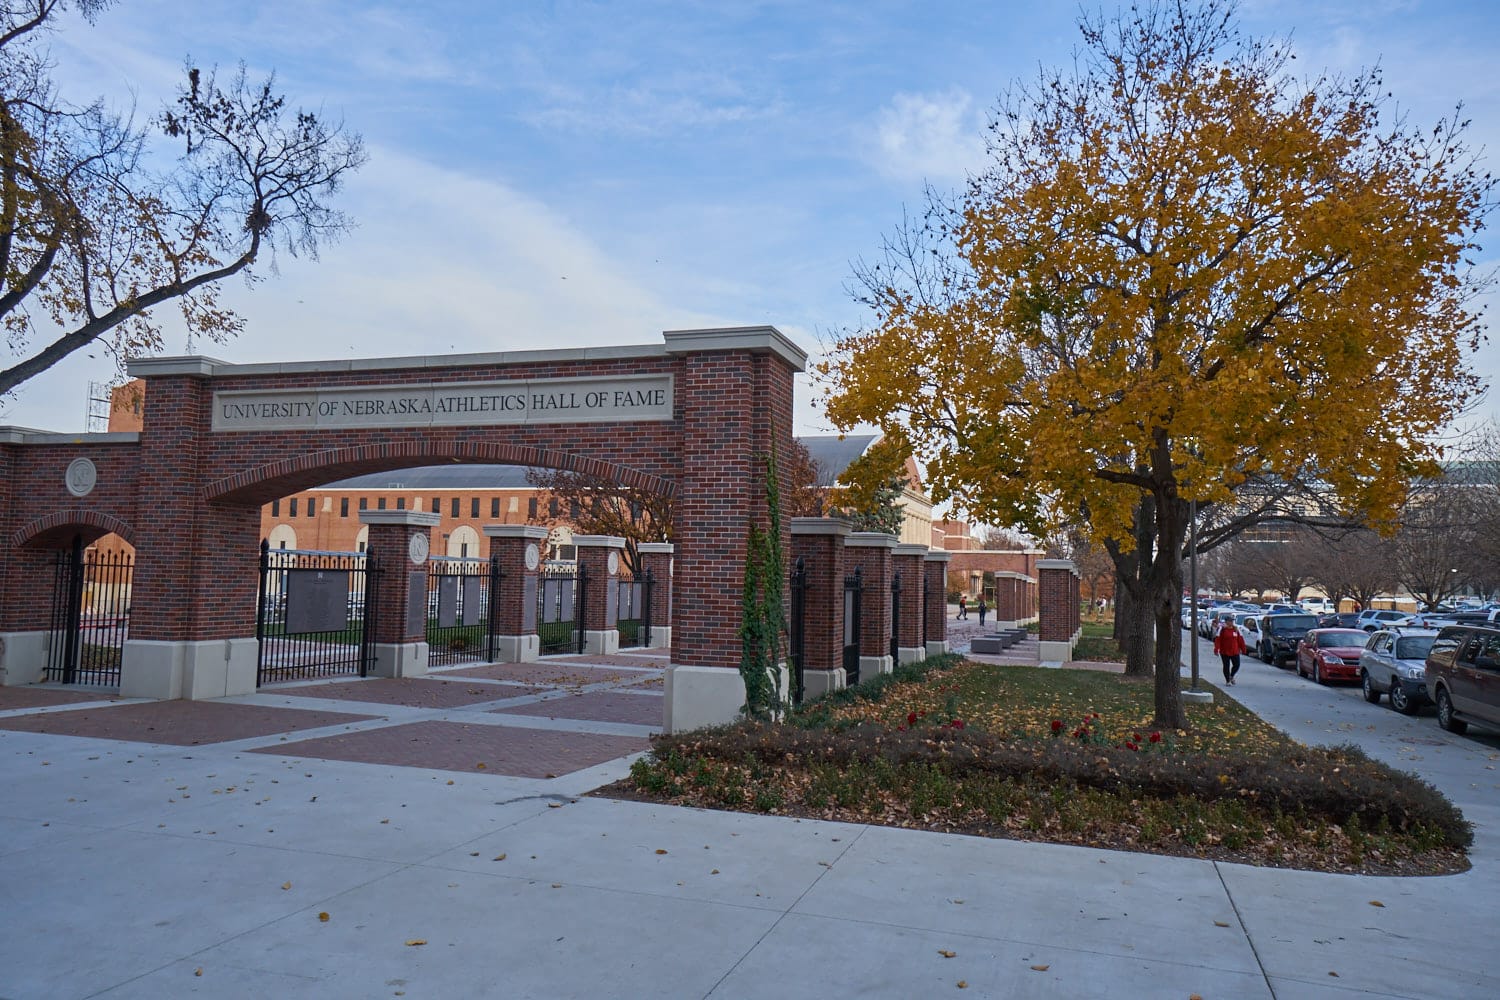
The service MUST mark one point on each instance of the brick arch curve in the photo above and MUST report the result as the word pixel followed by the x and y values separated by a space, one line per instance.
pixel 272 479
pixel 61 523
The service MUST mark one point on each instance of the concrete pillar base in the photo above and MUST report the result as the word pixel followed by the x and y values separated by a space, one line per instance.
pixel 870 666
pixel 1191 697
pixel 910 654
pixel 196 671
pixel 937 648
pixel 399 659
pixel 707 696
pixel 1053 653
pixel 518 648
pixel 816 683
pixel 701 696
pixel 601 642
pixel 23 657
pixel 661 637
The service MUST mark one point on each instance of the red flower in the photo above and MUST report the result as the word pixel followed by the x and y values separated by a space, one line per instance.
pixel 1137 737
pixel 1131 746
pixel 957 723
pixel 911 718
pixel 1057 725
pixel 1156 737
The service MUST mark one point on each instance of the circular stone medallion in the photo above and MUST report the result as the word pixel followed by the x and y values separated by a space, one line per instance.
pixel 417 548
pixel 533 556
pixel 614 562
pixel 81 477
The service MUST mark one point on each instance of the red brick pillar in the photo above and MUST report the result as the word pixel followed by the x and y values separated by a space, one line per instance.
pixel 818 549
pixel 656 564
pixel 192 627
pixel 400 540
pixel 517 549
pixel 870 552
pixel 733 392
pixel 935 603
pixel 908 564
pixel 598 617
pixel 1057 585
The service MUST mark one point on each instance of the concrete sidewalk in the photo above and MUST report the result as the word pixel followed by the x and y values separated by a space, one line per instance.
pixel 135 870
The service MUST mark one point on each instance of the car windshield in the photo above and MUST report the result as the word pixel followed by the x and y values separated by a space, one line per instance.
pixel 1414 647
pixel 1341 637
pixel 1291 623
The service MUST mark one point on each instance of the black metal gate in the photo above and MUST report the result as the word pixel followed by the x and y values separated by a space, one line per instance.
pixel 795 626
pixel 315 614
pixel 633 612
pixel 895 619
pixel 90 615
pixel 458 610
pixel 559 606
pixel 854 587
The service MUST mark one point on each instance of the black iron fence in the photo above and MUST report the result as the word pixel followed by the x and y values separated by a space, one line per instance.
pixel 854 587
pixel 315 613
pixel 458 610
pixel 796 620
pixel 633 612
pixel 895 619
pixel 559 608
pixel 90 615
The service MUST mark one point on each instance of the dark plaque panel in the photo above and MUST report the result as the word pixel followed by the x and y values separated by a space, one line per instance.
pixel 416 604
pixel 611 602
pixel 473 600
pixel 528 605
pixel 317 600
pixel 447 609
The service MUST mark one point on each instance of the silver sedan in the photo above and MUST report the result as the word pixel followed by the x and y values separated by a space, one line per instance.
pixel 1393 663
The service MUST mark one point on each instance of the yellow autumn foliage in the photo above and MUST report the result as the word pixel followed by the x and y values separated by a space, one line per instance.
pixel 1183 268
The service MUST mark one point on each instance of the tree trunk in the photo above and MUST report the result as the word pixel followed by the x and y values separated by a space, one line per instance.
pixel 1163 595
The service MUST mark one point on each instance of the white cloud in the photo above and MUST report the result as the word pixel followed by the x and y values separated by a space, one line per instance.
pixel 932 137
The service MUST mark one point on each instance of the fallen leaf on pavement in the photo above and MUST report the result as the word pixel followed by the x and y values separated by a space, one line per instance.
pixel 416 942
pixel 1040 968
pixel 946 953
pixel 323 918
pixel 1376 902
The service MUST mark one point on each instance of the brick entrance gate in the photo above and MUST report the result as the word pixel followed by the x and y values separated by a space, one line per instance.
pixel 687 417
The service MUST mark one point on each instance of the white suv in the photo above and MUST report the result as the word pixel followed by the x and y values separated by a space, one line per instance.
pixel 1370 621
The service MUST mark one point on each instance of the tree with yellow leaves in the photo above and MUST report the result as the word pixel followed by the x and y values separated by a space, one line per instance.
pixel 1181 269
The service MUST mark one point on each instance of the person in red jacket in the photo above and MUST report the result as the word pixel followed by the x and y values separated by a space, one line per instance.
pixel 1229 643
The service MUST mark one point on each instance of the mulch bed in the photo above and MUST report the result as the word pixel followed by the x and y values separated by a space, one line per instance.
pixel 177 723
pixel 472 749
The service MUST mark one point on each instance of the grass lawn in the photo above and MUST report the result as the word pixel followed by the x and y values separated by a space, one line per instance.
pixel 1066 757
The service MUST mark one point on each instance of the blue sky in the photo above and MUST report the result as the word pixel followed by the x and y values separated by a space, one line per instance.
pixel 574 174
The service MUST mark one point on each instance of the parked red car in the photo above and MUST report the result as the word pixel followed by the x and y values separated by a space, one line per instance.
pixel 1331 654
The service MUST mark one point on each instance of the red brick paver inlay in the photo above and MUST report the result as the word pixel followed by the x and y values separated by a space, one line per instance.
pixel 552 674
pixel 414 692
pixel 34 697
pixel 643 660
pixel 596 706
pixel 178 723
pixel 474 749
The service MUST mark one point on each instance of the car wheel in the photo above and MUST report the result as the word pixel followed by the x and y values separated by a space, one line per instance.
pixel 1401 701
pixel 1318 673
pixel 1445 714
pixel 1372 694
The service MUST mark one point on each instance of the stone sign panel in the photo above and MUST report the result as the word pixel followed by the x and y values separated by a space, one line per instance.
pixel 602 399
pixel 317 600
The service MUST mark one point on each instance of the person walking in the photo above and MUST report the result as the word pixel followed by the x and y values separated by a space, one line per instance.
pixel 963 606
pixel 983 607
pixel 1229 643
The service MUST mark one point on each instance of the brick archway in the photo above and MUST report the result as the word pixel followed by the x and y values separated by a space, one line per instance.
pixel 688 417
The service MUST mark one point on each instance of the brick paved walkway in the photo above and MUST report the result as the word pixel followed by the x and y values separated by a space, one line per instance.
pixel 533 720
